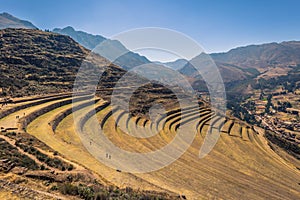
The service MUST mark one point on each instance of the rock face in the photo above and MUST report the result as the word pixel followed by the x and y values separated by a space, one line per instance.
pixel 9 21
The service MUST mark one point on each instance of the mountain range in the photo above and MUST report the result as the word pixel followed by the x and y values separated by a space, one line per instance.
pixel 234 65
pixel 242 63
pixel 113 49
pixel 266 60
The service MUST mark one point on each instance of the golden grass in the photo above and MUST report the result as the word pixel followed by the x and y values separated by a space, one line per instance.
pixel 8 196
pixel 66 141
pixel 235 169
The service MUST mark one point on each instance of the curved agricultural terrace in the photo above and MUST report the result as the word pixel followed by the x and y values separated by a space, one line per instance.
pixel 241 165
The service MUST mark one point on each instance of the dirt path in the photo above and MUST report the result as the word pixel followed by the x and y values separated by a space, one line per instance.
pixel 11 121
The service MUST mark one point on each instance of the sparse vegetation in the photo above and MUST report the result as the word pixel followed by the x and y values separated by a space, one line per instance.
pixel 90 193
pixel 52 162
pixel 10 157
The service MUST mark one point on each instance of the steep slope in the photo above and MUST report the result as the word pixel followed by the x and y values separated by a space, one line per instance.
pixel 9 21
pixel 126 61
pixel 34 61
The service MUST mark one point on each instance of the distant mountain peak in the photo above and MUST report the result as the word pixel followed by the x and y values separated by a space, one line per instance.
pixel 66 29
pixel 109 49
pixel 177 64
pixel 85 39
pixel 7 15
pixel 69 28
pixel 9 21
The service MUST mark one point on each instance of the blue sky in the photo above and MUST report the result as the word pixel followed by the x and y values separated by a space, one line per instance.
pixel 218 25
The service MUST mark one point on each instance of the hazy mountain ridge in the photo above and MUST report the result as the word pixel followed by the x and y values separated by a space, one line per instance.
pixel 176 65
pixel 237 64
pixel 261 56
pixel 9 21
pixel 86 40
pixel 113 48
pixel 250 61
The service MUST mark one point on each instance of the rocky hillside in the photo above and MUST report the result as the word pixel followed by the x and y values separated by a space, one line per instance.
pixel 34 61
pixel 9 21
pixel 38 62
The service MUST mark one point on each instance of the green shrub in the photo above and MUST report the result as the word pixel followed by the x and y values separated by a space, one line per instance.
pixel 70 168
pixel 101 196
pixel 68 189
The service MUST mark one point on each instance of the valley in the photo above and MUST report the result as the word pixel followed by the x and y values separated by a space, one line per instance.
pixel 52 133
